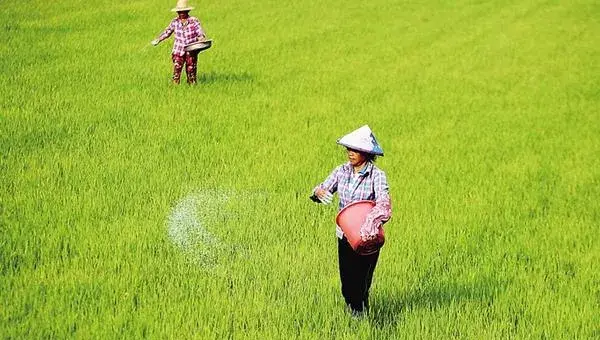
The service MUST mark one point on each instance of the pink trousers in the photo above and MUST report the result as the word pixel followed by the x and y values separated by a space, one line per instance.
pixel 190 59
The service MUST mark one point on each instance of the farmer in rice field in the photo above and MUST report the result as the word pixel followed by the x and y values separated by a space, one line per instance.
pixel 356 180
pixel 187 30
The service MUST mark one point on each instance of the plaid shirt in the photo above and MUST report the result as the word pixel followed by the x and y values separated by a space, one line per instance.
pixel 184 34
pixel 370 184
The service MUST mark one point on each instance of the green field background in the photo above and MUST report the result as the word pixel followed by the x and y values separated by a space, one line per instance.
pixel 488 112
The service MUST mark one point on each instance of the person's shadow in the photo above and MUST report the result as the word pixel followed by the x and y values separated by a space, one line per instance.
pixel 386 309
pixel 216 77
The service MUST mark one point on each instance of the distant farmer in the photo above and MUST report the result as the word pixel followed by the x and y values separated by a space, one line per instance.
pixel 187 30
pixel 358 179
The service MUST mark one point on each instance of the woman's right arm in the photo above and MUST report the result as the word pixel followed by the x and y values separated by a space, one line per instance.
pixel 328 187
pixel 168 31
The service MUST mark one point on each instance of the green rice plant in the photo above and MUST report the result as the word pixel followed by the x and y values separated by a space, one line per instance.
pixel 132 208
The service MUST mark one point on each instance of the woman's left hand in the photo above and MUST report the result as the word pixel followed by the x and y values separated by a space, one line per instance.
pixel 368 235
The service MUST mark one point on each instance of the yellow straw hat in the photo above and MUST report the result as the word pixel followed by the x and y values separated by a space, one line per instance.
pixel 182 6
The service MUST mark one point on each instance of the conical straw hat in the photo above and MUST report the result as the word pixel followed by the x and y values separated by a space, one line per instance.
pixel 182 5
pixel 362 139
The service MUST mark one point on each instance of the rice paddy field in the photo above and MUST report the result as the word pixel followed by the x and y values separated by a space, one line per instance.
pixel 134 208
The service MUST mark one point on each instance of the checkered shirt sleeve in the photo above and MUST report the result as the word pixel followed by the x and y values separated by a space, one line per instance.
pixel 331 182
pixel 382 211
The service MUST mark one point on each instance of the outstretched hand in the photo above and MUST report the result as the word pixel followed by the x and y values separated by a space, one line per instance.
pixel 155 42
pixel 324 196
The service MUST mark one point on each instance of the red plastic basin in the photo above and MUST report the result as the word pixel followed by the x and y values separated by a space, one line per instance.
pixel 350 218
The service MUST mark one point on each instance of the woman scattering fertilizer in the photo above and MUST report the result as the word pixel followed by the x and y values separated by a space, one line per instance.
pixel 357 180
pixel 187 31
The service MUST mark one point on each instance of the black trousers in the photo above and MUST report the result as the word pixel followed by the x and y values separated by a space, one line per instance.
pixel 356 274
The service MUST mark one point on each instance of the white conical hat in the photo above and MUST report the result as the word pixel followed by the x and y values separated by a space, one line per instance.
pixel 362 139
pixel 182 5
